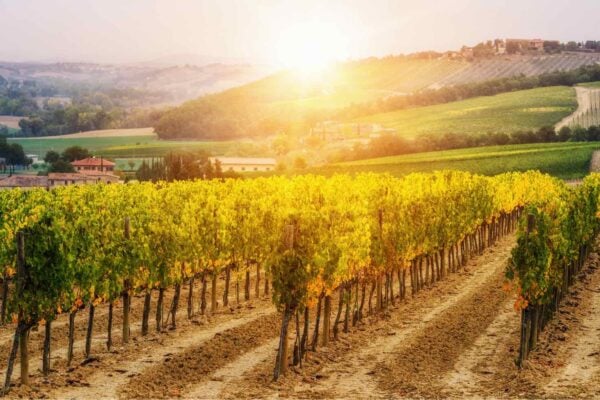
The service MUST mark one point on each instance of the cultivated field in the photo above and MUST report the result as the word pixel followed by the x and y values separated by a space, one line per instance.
pixel 507 113
pixel 508 66
pixel 588 108
pixel 444 322
pixel 107 133
pixel 119 144
pixel 563 160
pixel 10 121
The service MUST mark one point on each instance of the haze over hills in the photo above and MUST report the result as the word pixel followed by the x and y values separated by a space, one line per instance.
pixel 174 81
pixel 287 99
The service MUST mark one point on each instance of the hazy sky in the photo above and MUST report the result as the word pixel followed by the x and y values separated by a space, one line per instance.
pixel 253 30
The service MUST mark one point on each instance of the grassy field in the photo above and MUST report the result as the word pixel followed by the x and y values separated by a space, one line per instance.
pixel 131 146
pixel 508 112
pixel 593 85
pixel 564 160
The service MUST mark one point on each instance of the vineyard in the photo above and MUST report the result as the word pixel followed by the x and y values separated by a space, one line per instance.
pixel 588 110
pixel 335 255
pixel 528 110
pixel 514 66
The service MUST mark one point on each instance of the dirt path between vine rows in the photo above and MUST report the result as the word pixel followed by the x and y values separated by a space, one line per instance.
pixel 103 379
pixel 580 376
pixel 224 376
pixel 566 362
pixel 106 362
pixel 457 339
pixel 359 364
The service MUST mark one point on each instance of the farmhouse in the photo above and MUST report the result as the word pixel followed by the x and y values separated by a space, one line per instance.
pixel 101 176
pixel 68 178
pixel 536 44
pixel 55 179
pixel 23 182
pixel 244 164
pixel 93 164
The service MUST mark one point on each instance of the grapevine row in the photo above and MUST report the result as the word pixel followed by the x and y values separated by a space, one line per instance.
pixel 553 243
pixel 312 236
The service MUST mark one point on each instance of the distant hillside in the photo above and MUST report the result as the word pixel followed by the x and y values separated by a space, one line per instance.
pixel 174 82
pixel 503 113
pixel 287 101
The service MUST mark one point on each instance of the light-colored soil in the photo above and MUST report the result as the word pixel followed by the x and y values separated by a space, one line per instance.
pixel 354 366
pixel 104 133
pixel 473 372
pixel 224 376
pixel 456 339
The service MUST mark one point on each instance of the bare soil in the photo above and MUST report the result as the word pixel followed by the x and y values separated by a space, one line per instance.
pixel 455 339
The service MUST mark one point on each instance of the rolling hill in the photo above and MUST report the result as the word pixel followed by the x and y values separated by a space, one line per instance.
pixel 502 113
pixel 289 101
pixel 173 81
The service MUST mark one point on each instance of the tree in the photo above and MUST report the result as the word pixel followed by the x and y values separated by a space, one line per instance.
pixel 61 166
pixel 75 153
pixel 51 157
pixel 564 134
pixel 281 144
pixel 572 46
pixel 512 47
pixel 300 163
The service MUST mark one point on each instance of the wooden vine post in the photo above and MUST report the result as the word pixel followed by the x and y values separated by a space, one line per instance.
pixel 281 362
pixel 126 294
pixel 526 312
pixel 24 330
pixel 21 331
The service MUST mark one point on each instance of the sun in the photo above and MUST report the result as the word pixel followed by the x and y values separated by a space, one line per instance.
pixel 310 47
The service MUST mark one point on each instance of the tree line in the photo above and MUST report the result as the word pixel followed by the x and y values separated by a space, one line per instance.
pixel 393 145
pixel 181 166
pixel 82 109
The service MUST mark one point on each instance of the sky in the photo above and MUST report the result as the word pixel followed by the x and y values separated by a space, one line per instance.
pixel 275 31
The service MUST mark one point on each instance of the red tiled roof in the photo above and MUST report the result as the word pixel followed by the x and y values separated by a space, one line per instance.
pixel 24 181
pixel 93 162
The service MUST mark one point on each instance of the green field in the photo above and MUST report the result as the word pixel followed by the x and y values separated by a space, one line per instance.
pixel 593 85
pixel 507 113
pixel 132 146
pixel 564 160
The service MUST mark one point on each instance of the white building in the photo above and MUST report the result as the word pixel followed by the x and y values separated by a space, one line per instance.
pixel 35 159
pixel 245 164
